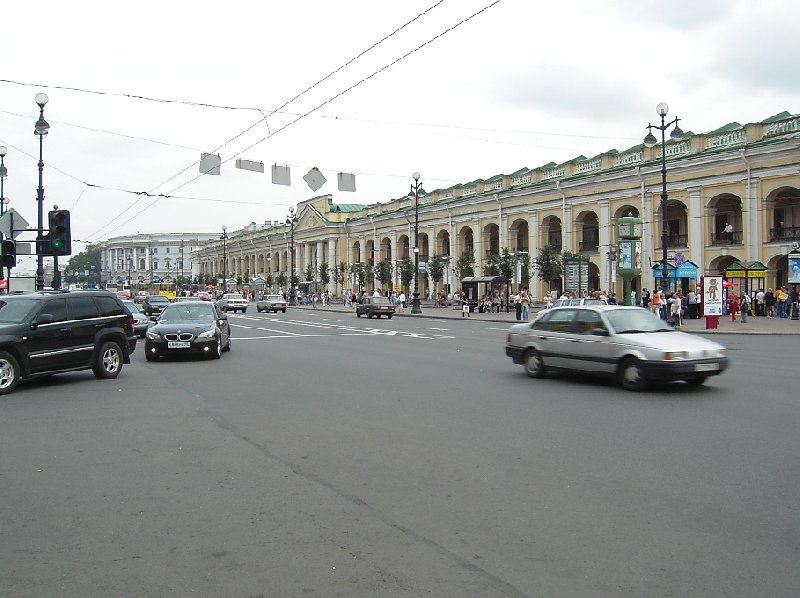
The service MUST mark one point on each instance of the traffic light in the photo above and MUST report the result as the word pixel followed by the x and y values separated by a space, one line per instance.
pixel 60 238
pixel 9 253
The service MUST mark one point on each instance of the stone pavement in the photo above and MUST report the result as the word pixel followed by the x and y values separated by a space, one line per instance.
pixel 754 325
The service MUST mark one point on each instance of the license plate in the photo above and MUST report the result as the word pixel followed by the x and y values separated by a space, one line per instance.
pixel 706 367
pixel 178 344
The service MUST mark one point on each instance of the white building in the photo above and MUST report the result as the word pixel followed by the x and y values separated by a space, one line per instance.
pixel 146 258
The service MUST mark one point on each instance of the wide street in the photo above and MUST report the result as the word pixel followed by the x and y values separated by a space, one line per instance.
pixel 327 455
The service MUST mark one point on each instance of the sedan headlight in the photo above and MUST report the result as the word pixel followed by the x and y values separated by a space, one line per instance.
pixel 153 335
pixel 207 334
pixel 676 356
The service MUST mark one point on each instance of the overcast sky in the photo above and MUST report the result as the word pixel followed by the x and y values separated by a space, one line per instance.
pixel 520 84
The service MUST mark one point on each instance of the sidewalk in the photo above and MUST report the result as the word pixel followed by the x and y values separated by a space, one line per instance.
pixel 754 325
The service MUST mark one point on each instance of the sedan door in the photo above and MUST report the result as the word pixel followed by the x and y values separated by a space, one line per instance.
pixel 553 336
pixel 591 343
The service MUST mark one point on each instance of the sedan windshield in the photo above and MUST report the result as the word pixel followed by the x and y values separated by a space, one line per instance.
pixel 188 312
pixel 631 321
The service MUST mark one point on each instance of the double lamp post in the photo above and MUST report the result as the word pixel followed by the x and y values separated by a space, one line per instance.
pixel 650 141
pixel 416 192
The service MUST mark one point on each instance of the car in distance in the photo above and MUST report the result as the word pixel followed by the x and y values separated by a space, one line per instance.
pixel 569 301
pixel 627 343
pixel 140 321
pixel 154 305
pixel 232 302
pixel 140 296
pixel 189 327
pixel 50 333
pixel 273 303
pixel 375 306
pixel 205 296
pixel 182 299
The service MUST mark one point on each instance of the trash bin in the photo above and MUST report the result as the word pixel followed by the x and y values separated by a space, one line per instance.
pixel 712 322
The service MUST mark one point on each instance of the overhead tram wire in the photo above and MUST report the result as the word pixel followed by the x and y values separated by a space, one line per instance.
pixel 302 116
pixel 264 118
pixel 350 88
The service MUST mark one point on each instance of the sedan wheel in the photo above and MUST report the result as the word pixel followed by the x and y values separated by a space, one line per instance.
pixel 534 366
pixel 9 373
pixel 217 349
pixel 631 375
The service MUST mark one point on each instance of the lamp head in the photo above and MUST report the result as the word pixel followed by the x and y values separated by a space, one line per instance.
pixel 416 176
pixel 42 127
pixel 42 99
pixel 677 134
pixel 650 140
pixel 3 150
pixel 662 109
pixel 224 228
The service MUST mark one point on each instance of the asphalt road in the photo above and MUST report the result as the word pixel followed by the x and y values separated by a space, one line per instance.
pixel 333 456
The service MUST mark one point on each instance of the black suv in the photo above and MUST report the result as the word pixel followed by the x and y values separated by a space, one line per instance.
pixel 49 333
pixel 154 304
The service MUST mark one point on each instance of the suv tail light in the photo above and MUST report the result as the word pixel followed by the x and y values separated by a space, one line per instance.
pixel 131 323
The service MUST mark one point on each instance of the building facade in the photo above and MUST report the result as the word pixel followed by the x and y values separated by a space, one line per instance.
pixel 734 195
pixel 146 258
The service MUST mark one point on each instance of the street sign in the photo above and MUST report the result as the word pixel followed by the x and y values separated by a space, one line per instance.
pixel 12 219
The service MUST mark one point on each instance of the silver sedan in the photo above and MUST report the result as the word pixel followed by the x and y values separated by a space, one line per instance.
pixel 628 343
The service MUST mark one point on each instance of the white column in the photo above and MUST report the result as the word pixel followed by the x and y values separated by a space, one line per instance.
pixel 605 243
pixel 476 244
pixel 320 258
pixel 695 232
pixel 566 230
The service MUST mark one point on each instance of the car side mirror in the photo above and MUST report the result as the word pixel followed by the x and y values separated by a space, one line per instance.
pixel 43 319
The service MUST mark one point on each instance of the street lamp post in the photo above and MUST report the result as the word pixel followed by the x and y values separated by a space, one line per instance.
pixel 291 220
pixel 181 248
pixel 650 141
pixel 41 129
pixel 3 198
pixel 416 192
pixel 224 239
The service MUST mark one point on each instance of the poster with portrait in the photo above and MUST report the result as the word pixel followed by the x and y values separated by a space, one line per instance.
pixel 794 269
pixel 712 295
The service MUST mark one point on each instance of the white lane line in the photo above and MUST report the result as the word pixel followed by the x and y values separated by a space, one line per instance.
pixel 432 328
pixel 252 338
pixel 279 331
pixel 240 326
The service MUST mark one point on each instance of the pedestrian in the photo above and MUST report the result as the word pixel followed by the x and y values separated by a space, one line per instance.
pixel 759 304
pixel 769 303
pixel 465 309
pixel 744 305
pixel 518 305
pixel 401 305
pixel 526 304
pixel 733 305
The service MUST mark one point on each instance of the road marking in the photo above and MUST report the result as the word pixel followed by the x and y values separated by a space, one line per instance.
pixel 279 331
pixel 432 328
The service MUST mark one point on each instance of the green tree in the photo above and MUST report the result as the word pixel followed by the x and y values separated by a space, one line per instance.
pixel 506 263
pixel 324 274
pixel 548 265
pixel 465 264
pixel 369 275
pixel 269 280
pixel 309 272
pixel 436 268
pixel 359 271
pixel 383 271
pixel 525 262
pixel 492 267
pixel 341 273
pixel 295 279
pixel 406 273
pixel 84 267
pixel 280 280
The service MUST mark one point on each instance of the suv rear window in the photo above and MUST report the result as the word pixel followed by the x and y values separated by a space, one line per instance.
pixel 109 307
pixel 83 308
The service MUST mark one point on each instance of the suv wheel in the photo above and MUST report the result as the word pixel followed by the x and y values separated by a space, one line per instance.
pixel 9 373
pixel 108 360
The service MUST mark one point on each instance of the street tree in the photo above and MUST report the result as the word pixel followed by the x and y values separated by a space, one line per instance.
pixel 383 272
pixel 549 267
pixel 465 264
pixel 406 273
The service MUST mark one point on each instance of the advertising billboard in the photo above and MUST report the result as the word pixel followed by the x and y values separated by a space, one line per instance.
pixel 712 295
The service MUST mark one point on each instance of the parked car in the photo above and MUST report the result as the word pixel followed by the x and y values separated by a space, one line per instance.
pixel 189 327
pixel 182 299
pixel 140 296
pixel 627 343
pixel 154 305
pixel 272 303
pixel 49 333
pixel 140 321
pixel 232 302
pixel 375 306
